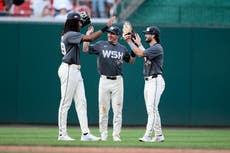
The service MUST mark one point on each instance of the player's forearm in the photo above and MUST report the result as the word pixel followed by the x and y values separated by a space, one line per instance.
pixel 132 60
pixel 95 35
pixel 139 51
pixel 92 37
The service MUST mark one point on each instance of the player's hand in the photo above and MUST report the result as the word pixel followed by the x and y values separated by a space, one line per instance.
pixel 137 39
pixel 127 37
pixel 111 20
pixel 90 30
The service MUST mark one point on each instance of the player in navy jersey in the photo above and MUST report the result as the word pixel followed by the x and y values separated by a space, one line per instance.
pixel 72 87
pixel 110 57
pixel 154 82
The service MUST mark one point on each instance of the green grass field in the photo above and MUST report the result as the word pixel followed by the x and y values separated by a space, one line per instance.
pixel 203 138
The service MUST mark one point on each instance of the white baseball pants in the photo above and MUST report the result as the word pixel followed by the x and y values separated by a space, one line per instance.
pixel 72 87
pixel 152 92
pixel 110 90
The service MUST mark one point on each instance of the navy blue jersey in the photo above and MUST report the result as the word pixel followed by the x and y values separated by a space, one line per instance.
pixel 70 47
pixel 110 57
pixel 153 60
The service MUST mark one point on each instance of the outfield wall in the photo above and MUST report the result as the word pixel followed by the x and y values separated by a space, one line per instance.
pixel 196 71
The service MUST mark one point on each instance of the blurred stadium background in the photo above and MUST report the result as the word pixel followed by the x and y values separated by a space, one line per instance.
pixel 194 33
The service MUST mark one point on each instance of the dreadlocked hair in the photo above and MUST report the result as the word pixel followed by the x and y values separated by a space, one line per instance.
pixel 71 25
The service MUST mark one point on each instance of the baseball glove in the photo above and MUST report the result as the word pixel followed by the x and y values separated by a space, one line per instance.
pixel 128 30
pixel 85 19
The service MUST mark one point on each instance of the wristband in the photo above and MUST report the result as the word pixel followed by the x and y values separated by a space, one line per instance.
pixel 142 48
pixel 133 54
pixel 104 28
pixel 131 45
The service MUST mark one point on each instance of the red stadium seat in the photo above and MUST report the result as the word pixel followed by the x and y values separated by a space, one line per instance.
pixel 22 10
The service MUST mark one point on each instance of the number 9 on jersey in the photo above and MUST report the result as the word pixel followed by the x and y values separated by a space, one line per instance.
pixel 63 49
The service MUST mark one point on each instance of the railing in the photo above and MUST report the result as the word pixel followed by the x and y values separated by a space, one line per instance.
pixel 126 8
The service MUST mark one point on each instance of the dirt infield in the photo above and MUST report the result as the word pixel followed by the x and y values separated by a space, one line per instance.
pixel 46 149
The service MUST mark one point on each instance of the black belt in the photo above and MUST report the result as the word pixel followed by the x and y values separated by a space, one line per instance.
pixel 74 65
pixel 111 77
pixel 151 77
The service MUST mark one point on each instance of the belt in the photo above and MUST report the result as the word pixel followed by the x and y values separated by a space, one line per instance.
pixel 151 77
pixel 73 65
pixel 111 77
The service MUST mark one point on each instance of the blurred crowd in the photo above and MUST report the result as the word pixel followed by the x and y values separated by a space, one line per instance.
pixel 57 9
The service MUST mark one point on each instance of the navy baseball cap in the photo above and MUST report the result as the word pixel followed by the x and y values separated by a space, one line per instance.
pixel 73 15
pixel 152 30
pixel 114 30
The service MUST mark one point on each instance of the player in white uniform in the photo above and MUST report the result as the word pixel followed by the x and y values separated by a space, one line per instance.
pixel 110 55
pixel 154 82
pixel 72 86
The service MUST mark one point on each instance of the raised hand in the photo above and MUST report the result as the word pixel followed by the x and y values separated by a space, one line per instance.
pixel 111 20
pixel 137 39
pixel 127 37
pixel 90 30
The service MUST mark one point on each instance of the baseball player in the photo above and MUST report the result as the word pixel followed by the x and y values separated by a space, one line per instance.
pixel 72 86
pixel 110 57
pixel 154 82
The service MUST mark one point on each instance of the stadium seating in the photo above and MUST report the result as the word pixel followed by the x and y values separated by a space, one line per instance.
pixel 21 10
